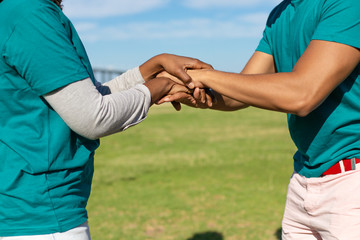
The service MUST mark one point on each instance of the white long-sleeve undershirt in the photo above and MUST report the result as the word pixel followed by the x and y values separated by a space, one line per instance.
pixel 97 111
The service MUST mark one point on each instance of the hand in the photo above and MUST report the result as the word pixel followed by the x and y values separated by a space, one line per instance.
pixel 188 99
pixel 178 66
pixel 160 87
pixel 196 76
pixel 199 93
pixel 201 98
pixel 173 64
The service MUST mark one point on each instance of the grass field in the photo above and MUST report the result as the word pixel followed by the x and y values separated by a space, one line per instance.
pixel 193 175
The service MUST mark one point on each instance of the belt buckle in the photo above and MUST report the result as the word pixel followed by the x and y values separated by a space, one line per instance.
pixel 353 164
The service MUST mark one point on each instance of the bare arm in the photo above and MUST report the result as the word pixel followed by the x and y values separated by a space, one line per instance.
pixel 259 63
pixel 322 67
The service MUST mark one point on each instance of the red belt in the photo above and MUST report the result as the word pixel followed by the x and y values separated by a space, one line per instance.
pixel 342 166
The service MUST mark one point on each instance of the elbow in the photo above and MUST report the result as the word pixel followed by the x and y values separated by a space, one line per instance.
pixel 301 110
pixel 303 105
pixel 91 134
pixel 87 127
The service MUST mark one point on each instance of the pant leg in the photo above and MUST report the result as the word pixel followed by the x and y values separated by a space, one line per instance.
pixel 323 208
pixel 340 215
pixel 79 233
pixel 296 222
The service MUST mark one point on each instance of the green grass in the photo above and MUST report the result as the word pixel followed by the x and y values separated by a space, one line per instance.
pixel 193 175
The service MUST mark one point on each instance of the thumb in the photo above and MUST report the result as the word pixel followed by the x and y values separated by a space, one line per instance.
pixel 183 76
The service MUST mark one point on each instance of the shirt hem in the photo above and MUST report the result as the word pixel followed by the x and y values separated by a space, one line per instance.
pixel 41 231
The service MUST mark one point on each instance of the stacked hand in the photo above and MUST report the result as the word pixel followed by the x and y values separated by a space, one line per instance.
pixel 196 97
pixel 166 77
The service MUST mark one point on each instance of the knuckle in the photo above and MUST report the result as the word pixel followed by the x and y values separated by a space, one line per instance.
pixel 197 61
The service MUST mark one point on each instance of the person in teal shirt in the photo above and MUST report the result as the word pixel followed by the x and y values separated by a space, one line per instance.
pixel 52 114
pixel 307 65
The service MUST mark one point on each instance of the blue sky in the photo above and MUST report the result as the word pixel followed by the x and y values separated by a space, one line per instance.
pixel 121 34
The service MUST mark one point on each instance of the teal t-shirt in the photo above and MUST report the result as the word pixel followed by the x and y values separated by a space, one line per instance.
pixel 45 168
pixel 332 131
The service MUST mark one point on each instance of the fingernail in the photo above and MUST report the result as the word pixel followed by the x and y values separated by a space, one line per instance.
pixel 166 99
pixel 191 85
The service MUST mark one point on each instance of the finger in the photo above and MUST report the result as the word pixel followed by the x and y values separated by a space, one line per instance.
pixel 197 64
pixel 162 100
pixel 196 94
pixel 202 95
pixel 203 65
pixel 163 74
pixel 183 76
pixel 176 105
pixel 180 88
pixel 172 77
pixel 209 100
pixel 194 102
pixel 175 97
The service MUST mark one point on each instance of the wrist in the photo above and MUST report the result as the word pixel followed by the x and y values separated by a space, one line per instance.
pixel 152 67
pixel 199 77
pixel 158 87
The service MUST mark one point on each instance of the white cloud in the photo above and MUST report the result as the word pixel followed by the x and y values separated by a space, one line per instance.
pixel 245 26
pixel 228 3
pixel 108 8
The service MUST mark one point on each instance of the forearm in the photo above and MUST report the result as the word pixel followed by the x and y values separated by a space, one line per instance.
pixel 92 115
pixel 259 63
pixel 224 103
pixel 279 92
pixel 322 67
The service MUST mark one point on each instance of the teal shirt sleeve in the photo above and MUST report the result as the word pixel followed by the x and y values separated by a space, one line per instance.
pixel 265 44
pixel 340 22
pixel 41 51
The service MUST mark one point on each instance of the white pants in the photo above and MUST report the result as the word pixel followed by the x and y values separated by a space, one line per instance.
pixel 324 208
pixel 79 233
